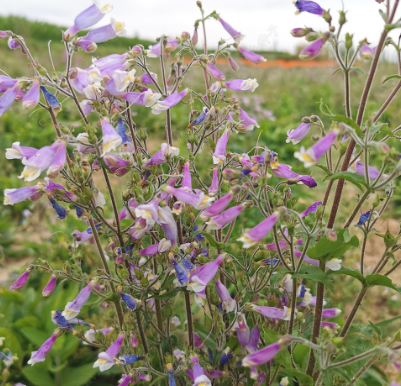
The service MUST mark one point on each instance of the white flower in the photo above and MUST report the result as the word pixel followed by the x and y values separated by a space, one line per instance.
pixel 248 242
pixel 306 156
pixel 103 8
pixel 2 338
pixel 334 264
pixel 94 76
pixel 150 98
pixel 159 107
pixel 164 245
pixel 122 79
pixel 92 92
pixel 249 85
pixel 118 27
pixel 99 198
pixel 287 315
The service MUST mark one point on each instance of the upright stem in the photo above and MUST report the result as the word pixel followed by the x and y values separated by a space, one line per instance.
pixel 351 316
pixel 141 333
pixel 117 303
pixel 189 320
pixel 131 128
pixel 168 115
pixel 205 52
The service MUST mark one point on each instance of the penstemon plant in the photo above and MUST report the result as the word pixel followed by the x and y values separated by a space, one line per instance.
pixel 167 242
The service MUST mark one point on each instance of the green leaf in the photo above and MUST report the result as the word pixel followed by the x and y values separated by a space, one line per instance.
pixel 350 272
pixel 381 280
pixel 167 295
pixel 38 376
pixel 396 76
pixel 354 178
pixel 104 165
pixel 325 249
pixel 284 359
pixel 211 240
pixel 375 329
pixel 157 381
pixel 316 275
pixel 376 128
pixel 203 333
pixel 358 69
pixel 325 109
pixel 385 323
pixel 69 347
pixel 348 121
pixel 325 169
pixel 78 376
pixel 11 342
pixel 13 296
pixel 383 15
pixel 338 69
pixel 386 130
pixel 37 337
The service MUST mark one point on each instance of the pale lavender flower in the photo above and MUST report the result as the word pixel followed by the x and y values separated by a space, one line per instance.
pixel 217 207
pixel 155 51
pixel 300 32
pixel 58 161
pixel 314 48
pixel 311 209
pixel 272 312
pixel 169 102
pixel 40 355
pixel 214 72
pixel 242 85
pixel 228 303
pixel 359 168
pixel 198 201
pixel 260 231
pixel 248 122
pixel 251 56
pixel 13 44
pixel 20 152
pixel 90 334
pixel 329 313
pixel 214 187
pixel 15 196
pixel 219 155
pixel 7 99
pixel 194 39
pixel 21 281
pixel 106 359
pixel 234 34
pixel 243 332
pixel 125 380
pixel 186 179
pixel 311 156
pixel 167 221
pixel 265 354
pixel 200 280
pixel 296 136
pixel 111 140
pixel 31 98
pixel 233 64
pixel 72 309
pixel 117 165
pixel 6 83
pixel 218 222
pixel 87 19
pixel 5 34
pixel 109 64
pixel 252 345
pixel 366 52
pixel 38 162
pixel 50 286
pixel 147 98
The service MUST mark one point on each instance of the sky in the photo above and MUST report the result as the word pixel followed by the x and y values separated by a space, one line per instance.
pixel 266 24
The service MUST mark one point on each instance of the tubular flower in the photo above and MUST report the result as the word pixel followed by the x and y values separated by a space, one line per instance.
pixel 272 312
pixel 265 354
pixel 242 85
pixel 72 309
pixel 248 122
pixel 180 272
pixel 90 334
pixel 214 187
pixel 169 102
pixel 117 165
pixel 129 301
pixel 109 64
pixel 156 50
pixel 296 136
pixel 200 280
pixel 50 286
pixel 311 209
pixel 57 164
pixel 21 281
pixel 121 80
pixel 125 380
pixel 284 171
pixel 260 231
pixel 214 72
pixel 111 140
pixel 333 264
pixel 198 201
pixel 60 210
pixel 311 156
pixel 147 98
pixel 314 48
pixel 51 100
pixel 243 332
pixel 169 368
pixel 87 19
pixel 8 98
pixel 219 155
pixel 15 196
pixel 6 83
pixel 31 98
pixel 309 6
pixel 40 355
pixel 186 179
pixel 366 52
pixel 329 313
pixel 359 168
pixel 200 379
pixel 38 162
pixel 160 156
pixel 106 359
pixel 218 222
pixel 217 207
pixel 233 64
pixel 234 34
pixel 125 360
pixel 251 56
pixel 166 220
pixel 228 303
pixel 253 339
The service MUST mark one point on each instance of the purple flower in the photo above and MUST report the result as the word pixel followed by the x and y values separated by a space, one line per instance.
pixel 160 156
pixel 228 303
pixel 194 39
pixel 314 48
pixel 38 162
pixel 218 222
pixel 155 51
pixel 125 380
pixel 329 313
pixel 251 56
pixel 364 217
pixel 21 281
pixel 124 213
pixel 147 98
pixel 166 220
pixel 309 6
pixel 31 98
pixel 40 355
pixel 5 34
pixel 200 280
pixel 248 122
pixel 296 136
pixel 19 152
pixel 272 312
pixel 111 140
pixel 146 79
pixel 15 196
pixel 87 19
pixel 129 301
pixel 219 155
pixel 186 179
pixel 198 201
pixel 366 52
pixel 13 44
pixel 214 72
pixel 330 325
pixel 300 32
pixel 117 165
pixel 72 309
pixel 218 206
pixel 109 64
pixel 214 187
pixel 359 168
pixel 260 231
pixel 169 102
pixel 50 286
pixel 90 334
pixel 7 99
pixel 265 354
pixel 253 339
pixel 233 64
pixel 234 34
pixel 58 160
pixel 200 379
pixel 311 156
pixel 106 359
pixel 311 209
pixel 242 85
pixel 181 273
pixel 6 83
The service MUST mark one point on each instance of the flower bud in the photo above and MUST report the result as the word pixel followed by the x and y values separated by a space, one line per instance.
pixel 331 235
pixel 51 285
pixel 327 16
pixel 348 41
pixel 342 19
pixel 185 36
pixel 136 51
pixel 300 32
pixel 311 37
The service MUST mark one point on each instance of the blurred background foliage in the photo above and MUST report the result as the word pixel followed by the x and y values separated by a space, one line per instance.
pixel 30 230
